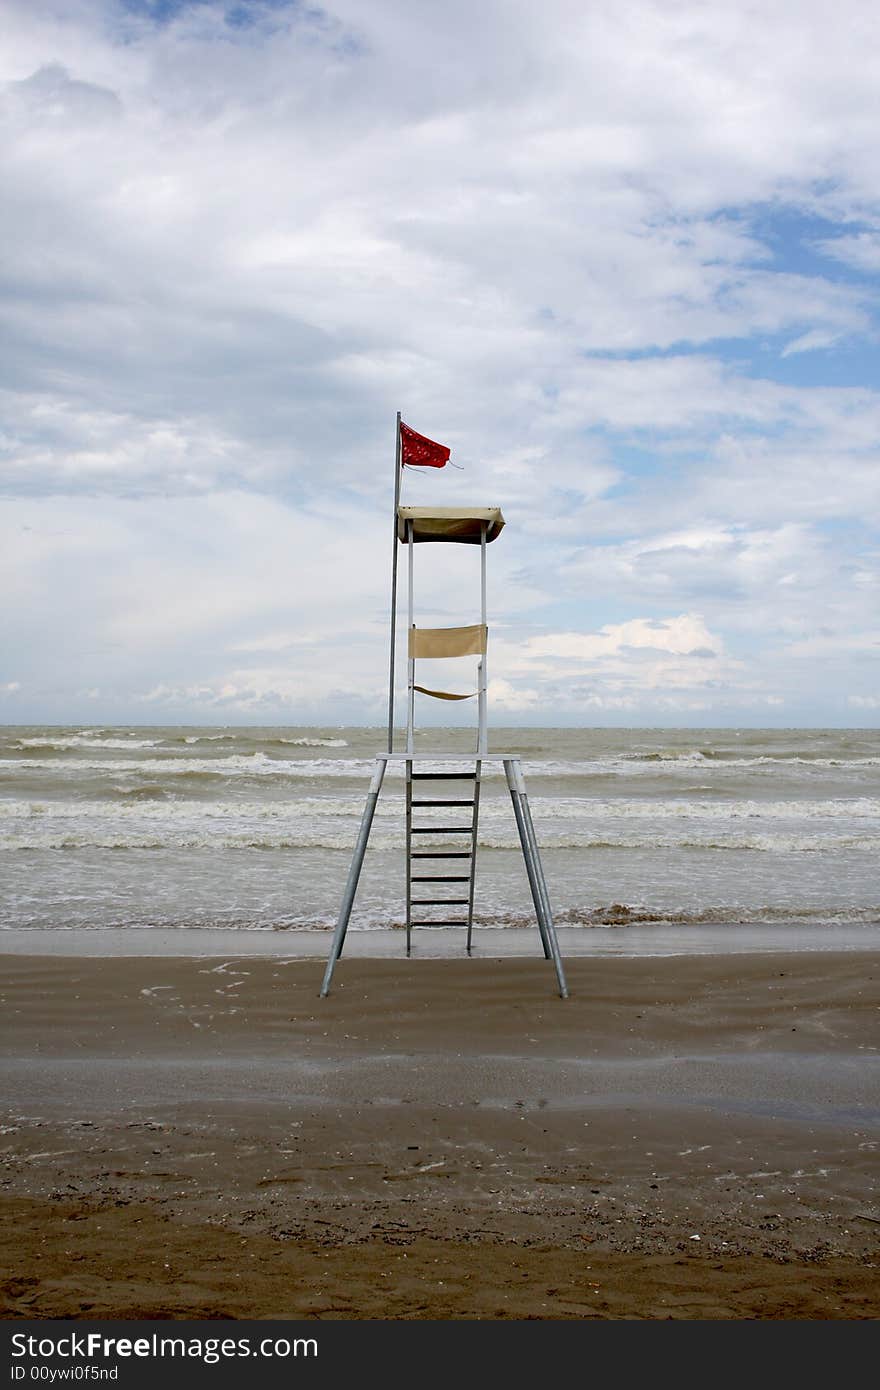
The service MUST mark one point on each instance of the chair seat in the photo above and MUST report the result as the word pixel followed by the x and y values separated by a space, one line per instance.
pixel 444 694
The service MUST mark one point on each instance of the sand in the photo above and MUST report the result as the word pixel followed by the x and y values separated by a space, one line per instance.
pixel 685 1137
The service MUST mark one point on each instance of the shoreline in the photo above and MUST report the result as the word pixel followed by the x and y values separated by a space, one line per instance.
pixel 637 941
pixel 684 1136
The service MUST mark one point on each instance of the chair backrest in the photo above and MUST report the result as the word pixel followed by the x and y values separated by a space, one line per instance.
pixel 431 642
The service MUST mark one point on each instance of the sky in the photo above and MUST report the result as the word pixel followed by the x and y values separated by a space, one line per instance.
pixel 621 256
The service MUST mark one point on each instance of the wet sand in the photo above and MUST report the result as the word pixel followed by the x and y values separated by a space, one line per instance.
pixel 689 1137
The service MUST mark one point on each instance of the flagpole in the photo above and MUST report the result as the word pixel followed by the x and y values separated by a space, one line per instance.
pixel 397 472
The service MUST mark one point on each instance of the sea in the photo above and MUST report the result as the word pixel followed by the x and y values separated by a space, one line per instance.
pixel 247 830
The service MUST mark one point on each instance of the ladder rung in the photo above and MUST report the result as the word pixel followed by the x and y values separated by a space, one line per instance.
pixel 440 878
pixel 443 922
pixel 442 830
pixel 440 854
pixel 440 902
pixel 454 802
pixel 443 776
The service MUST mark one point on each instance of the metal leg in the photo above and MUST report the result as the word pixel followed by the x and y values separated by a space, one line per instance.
pixel 409 789
pixel 532 856
pixel 354 874
pixel 527 856
pixel 549 927
pixel 474 837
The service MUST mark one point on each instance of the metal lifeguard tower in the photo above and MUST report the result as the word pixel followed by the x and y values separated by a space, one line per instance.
pixel 431 773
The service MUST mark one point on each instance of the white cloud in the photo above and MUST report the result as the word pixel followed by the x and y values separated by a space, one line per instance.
pixel 683 635
pixel 861 251
pixel 510 698
pixel 825 644
pixel 551 235
pixel 814 341
pixel 623 665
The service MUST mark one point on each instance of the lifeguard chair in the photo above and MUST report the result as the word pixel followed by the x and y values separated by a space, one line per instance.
pixel 450 847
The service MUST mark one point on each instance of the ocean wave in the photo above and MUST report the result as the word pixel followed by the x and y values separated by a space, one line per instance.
pixel 312 741
pixel 675 765
pixel 61 742
pixel 763 844
pixel 256 764
pixel 643 915
pixel 48 834
pixel 315 742
pixel 698 756
pixel 389 916
pixel 134 795
pixel 549 809
pixel 617 915
pixel 150 802
pixel 275 759
pixel 120 840
pixel 125 800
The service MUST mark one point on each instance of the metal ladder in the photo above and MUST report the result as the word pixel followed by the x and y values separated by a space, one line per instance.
pixel 527 838
pixel 417 882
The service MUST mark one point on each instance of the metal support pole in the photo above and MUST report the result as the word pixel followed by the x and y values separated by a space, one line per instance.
pixel 411 664
pixel 475 824
pixel 531 854
pixel 397 471
pixel 528 826
pixel 526 847
pixel 549 927
pixel 483 709
pixel 409 792
pixel 354 874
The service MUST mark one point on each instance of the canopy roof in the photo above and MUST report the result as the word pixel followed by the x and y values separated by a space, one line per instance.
pixel 462 524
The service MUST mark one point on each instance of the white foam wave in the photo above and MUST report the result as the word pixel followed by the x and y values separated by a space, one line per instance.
pixel 329 822
pixel 311 742
pixel 316 742
pixel 133 840
pixel 86 741
pixel 257 764
pixel 768 844
pixel 303 809
pixel 547 811
pixel 834 808
pixel 714 760
pixel 383 916
pixel 52 835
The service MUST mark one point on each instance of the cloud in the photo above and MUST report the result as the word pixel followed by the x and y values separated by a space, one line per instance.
pixel 861 251
pixel 830 644
pixel 627 664
pixel 684 635
pixel 51 96
pixel 617 257
pixel 511 698
pixel 814 341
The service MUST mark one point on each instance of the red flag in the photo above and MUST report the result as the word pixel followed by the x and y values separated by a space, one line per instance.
pixel 423 453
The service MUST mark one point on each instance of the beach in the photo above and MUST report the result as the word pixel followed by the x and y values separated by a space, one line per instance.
pixel 189 1131
pixel 689 1135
